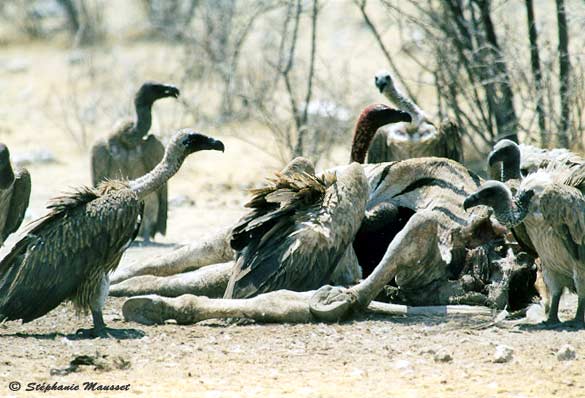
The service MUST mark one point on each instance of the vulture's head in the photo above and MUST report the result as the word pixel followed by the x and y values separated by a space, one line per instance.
pixel 508 210
pixel 6 174
pixel 419 129
pixel 187 141
pixel 506 152
pixel 378 115
pixel 152 91
pixel 4 155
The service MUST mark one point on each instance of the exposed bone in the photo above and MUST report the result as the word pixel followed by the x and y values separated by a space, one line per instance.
pixel 209 281
pixel 210 250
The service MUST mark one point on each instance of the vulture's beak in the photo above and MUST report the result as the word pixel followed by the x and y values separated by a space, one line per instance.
pixel 216 145
pixel 471 201
pixel 381 83
pixel 173 91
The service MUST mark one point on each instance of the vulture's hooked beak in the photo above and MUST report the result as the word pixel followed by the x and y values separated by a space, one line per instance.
pixel 471 201
pixel 216 145
pixel 172 91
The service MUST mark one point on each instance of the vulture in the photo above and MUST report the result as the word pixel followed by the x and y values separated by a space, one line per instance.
pixel 68 253
pixel 509 161
pixel 301 225
pixel 128 153
pixel 505 159
pixel 415 138
pixel 551 205
pixel 14 194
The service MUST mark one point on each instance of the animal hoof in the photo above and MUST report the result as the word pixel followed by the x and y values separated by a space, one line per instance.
pixel 331 303
pixel 147 310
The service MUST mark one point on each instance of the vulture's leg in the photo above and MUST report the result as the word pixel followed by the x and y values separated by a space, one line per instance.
pixel 555 284
pixel 211 250
pixel 209 281
pixel 99 326
pixel 282 306
pixel 412 250
pixel 579 320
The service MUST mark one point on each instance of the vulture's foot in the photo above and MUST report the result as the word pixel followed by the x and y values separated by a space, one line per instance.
pixel 332 303
pixel 109 333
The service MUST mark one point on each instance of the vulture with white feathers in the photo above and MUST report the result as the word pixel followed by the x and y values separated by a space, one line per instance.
pixel 416 138
pixel 550 203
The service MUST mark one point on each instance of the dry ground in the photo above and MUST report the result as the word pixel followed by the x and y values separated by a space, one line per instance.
pixel 390 357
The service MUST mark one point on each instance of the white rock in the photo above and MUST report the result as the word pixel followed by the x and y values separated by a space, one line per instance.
pixel 503 354
pixel 566 353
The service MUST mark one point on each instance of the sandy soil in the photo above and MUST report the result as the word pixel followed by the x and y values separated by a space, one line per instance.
pixel 385 357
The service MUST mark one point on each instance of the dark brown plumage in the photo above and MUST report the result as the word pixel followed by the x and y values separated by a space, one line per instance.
pixel 67 254
pixel 298 229
pixel 15 186
pixel 129 153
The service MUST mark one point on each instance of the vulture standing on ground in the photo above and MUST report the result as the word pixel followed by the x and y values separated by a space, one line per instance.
pixel 67 254
pixel 129 153
pixel 14 195
pixel 551 205
pixel 300 225
pixel 412 139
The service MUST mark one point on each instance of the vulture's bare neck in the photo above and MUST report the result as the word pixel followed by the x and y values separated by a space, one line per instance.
pixel 404 103
pixel 511 169
pixel 6 176
pixel 143 118
pixel 156 178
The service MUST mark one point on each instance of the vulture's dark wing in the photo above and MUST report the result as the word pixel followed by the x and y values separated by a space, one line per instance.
pixel 451 140
pixel 284 242
pixel 153 152
pixel 18 202
pixel 379 150
pixel 85 233
pixel 103 165
pixel 563 208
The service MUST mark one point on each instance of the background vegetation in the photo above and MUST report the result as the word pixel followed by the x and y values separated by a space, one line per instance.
pixel 300 70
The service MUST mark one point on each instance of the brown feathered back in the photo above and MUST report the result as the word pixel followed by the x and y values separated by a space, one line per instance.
pixel 298 228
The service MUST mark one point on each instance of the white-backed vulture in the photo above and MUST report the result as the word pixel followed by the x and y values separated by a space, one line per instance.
pixel 14 194
pixel 67 254
pixel 412 139
pixel 508 161
pixel 504 160
pixel 128 153
pixel 298 231
pixel 551 205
